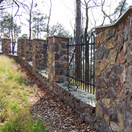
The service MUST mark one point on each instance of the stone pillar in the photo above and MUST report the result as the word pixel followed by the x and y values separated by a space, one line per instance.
pixel 28 50
pixel 113 70
pixel 6 46
pixel 39 53
pixel 57 59
pixel 21 47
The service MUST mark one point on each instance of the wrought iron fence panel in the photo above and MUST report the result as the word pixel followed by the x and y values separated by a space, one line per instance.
pixel 45 46
pixel 13 47
pixel 81 63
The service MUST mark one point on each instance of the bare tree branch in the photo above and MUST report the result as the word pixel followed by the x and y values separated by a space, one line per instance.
pixel 106 15
pixel 1 1
pixel 121 10
pixel 49 18
pixel 17 8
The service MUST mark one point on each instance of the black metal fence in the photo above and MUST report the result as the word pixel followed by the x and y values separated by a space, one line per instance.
pixel 13 47
pixel 45 46
pixel 81 63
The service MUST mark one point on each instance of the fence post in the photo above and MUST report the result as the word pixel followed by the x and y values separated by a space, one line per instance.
pixel 21 47
pixel 28 50
pixel 6 46
pixel 39 53
pixel 57 59
pixel 113 70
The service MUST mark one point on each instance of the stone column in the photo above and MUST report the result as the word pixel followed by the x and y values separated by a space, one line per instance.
pixel 28 50
pixel 21 47
pixel 39 53
pixel 6 46
pixel 113 70
pixel 57 59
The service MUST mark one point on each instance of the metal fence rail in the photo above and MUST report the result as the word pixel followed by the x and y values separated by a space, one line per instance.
pixel 45 46
pixel 13 47
pixel 81 64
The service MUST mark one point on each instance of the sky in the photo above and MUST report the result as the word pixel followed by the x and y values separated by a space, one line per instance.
pixel 63 11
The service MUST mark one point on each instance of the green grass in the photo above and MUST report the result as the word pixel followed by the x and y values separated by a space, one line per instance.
pixel 15 113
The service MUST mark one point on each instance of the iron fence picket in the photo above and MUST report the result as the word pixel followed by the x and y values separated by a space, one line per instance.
pixel 13 47
pixel 77 58
pixel 45 46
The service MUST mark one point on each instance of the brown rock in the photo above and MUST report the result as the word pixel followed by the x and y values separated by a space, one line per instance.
pixel 101 53
pixel 106 73
pixel 112 81
pixel 107 121
pixel 114 127
pixel 97 42
pixel 113 104
pixel 123 76
pixel 97 69
pixel 119 85
pixel 121 121
pixel 106 102
pixel 125 47
pixel 99 112
pixel 106 111
pixel 112 56
pixel 103 65
pixel 123 94
pixel 117 69
pixel 121 59
pixel 100 94
pixel 101 38
pixel 110 44
pixel 112 93
pixel 129 74
pixel 120 43
pixel 100 83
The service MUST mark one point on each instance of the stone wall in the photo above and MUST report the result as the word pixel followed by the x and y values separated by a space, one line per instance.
pixel 39 53
pixel 21 47
pixel 55 80
pixel 6 46
pixel 114 76
pixel 28 50
pixel 57 58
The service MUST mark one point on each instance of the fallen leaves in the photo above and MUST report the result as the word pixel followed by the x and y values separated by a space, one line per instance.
pixel 57 116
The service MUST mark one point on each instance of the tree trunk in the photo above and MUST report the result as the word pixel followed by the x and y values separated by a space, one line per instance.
pixel 30 20
pixel 49 19
pixel 78 33
pixel 87 46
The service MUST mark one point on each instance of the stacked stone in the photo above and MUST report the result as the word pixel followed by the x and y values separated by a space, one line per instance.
pixel 21 47
pixel 28 50
pixel 57 59
pixel 6 46
pixel 39 53
pixel 113 69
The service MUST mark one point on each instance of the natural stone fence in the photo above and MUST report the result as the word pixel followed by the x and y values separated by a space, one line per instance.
pixel 6 46
pixel 114 75
pixel 32 55
pixel 112 109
